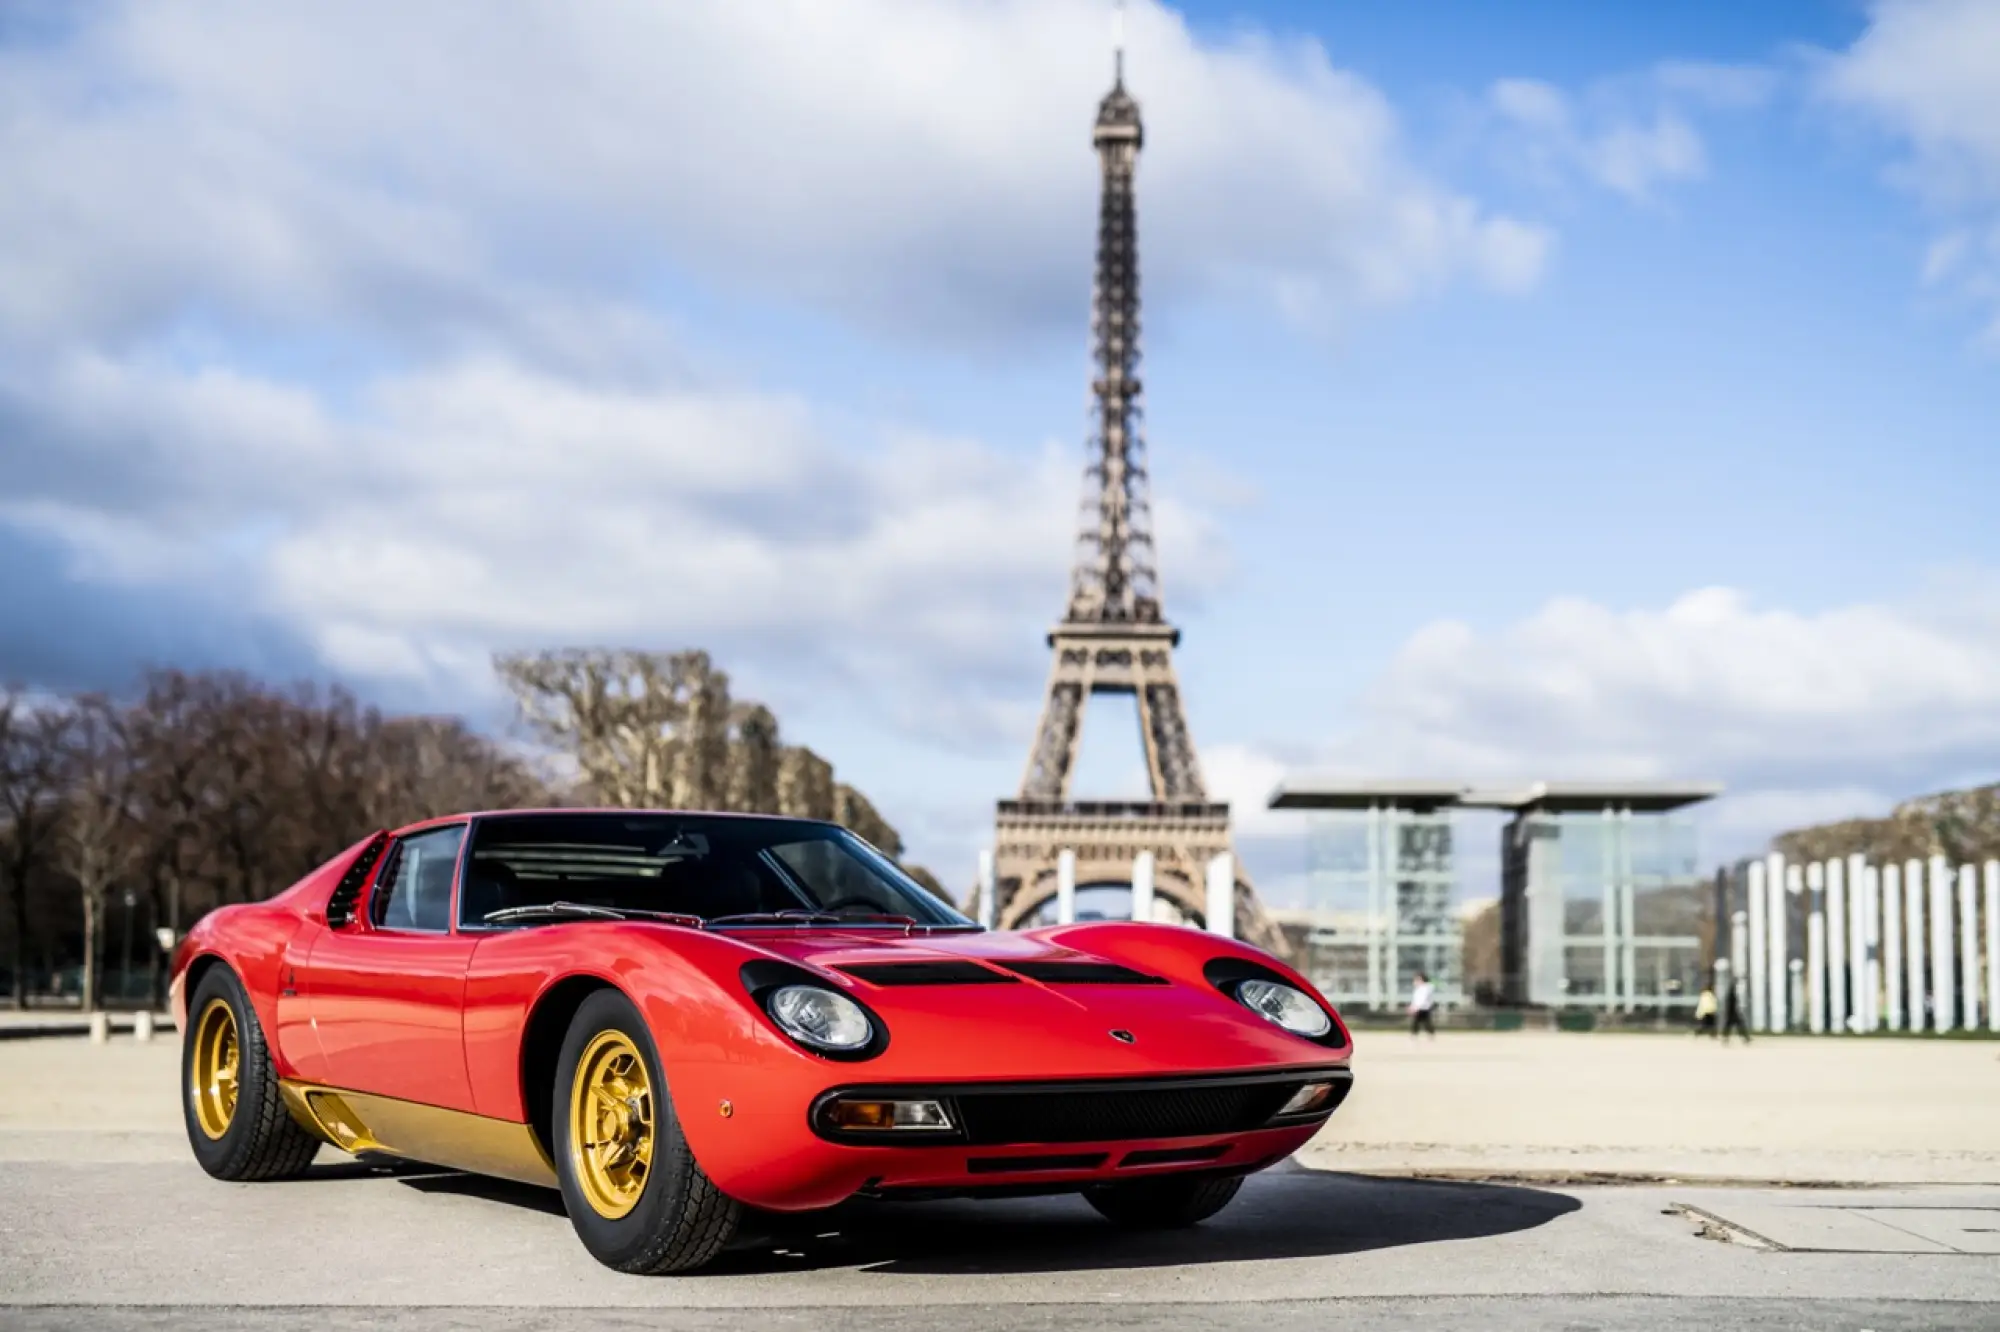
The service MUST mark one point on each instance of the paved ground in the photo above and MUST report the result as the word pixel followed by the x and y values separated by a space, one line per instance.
pixel 1800 1109
pixel 106 1222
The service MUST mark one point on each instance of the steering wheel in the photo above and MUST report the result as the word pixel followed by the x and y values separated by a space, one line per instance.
pixel 841 903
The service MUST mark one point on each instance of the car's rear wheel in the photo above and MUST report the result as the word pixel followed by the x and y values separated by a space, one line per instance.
pixel 236 1118
pixel 634 1192
pixel 1168 1203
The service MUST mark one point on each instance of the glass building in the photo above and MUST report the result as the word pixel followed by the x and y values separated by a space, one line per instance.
pixel 1381 888
pixel 1601 901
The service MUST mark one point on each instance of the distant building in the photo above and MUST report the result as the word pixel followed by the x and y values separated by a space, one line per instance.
pixel 1600 905
pixel 1600 901
pixel 1380 888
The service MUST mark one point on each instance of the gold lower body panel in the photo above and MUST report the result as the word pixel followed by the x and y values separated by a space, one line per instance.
pixel 362 1122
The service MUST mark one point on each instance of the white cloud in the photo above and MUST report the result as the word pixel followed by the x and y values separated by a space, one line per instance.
pixel 1723 86
pixel 482 503
pixel 1928 72
pixel 1805 717
pixel 1709 683
pixel 1554 135
pixel 361 319
pixel 922 167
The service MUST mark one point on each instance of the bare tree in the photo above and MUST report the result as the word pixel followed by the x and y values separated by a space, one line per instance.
pixel 852 811
pixel 614 713
pixel 754 753
pixel 701 742
pixel 653 729
pixel 805 784
pixel 100 841
pixel 34 752
pixel 1959 825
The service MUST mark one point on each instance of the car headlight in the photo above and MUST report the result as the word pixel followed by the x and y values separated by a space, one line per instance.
pixel 1287 1007
pixel 819 1018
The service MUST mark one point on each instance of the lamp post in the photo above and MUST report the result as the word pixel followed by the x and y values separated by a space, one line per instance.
pixel 125 967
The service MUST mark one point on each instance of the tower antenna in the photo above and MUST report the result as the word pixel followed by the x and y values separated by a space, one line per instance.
pixel 1118 41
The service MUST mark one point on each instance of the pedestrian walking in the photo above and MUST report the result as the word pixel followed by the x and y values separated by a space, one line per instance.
pixel 1422 1000
pixel 1732 1016
pixel 1704 1012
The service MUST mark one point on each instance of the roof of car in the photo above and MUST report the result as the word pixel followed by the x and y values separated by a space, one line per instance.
pixel 462 817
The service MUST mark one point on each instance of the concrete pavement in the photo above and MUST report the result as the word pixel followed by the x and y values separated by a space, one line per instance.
pixel 106 1222
pixel 151 1244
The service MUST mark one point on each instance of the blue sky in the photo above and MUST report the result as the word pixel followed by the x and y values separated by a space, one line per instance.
pixel 1559 390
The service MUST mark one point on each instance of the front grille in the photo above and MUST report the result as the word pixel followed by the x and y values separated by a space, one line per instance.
pixel 928 973
pixel 1083 973
pixel 1116 1115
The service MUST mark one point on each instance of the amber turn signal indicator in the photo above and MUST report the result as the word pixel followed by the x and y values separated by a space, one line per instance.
pixel 887 1115
pixel 1307 1099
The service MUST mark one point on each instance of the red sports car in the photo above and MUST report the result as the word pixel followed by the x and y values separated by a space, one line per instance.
pixel 673 1017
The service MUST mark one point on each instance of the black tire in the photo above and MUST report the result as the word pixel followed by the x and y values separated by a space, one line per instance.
pixel 261 1140
pixel 681 1220
pixel 1168 1203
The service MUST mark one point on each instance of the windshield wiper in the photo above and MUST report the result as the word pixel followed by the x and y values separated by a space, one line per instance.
pixel 803 918
pixel 793 917
pixel 587 912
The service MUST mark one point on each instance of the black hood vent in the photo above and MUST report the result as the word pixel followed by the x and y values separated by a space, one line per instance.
pixel 928 973
pixel 1083 973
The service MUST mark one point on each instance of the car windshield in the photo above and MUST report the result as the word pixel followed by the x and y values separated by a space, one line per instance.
pixel 530 868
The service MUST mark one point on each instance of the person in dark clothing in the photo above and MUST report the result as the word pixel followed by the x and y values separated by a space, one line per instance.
pixel 1732 1016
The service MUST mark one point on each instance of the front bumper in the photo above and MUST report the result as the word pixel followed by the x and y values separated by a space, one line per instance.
pixel 1012 1138
pixel 1008 1114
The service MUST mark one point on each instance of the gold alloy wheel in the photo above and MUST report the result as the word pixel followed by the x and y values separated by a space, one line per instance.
pixel 611 1124
pixel 218 1056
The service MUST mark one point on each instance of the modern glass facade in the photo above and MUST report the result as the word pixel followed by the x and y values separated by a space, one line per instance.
pixel 1600 903
pixel 1601 908
pixel 1380 895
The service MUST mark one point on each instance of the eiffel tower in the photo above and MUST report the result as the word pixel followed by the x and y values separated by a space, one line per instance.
pixel 1113 638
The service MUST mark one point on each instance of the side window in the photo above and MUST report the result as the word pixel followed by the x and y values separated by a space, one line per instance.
pixel 414 891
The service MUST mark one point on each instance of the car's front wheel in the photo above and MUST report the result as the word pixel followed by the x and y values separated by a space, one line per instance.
pixel 237 1122
pixel 1168 1203
pixel 633 1191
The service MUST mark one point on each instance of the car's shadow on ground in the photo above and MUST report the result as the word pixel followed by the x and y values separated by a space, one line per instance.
pixel 1288 1212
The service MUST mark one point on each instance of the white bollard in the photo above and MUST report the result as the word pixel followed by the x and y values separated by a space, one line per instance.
pixel 1222 895
pixel 1993 945
pixel 1944 1004
pixel 987 906
pixel 1825 979
pixel 1142 886
pixel 142 1025
pixel 1066 887
pixel 100 1028
pixel 1760 956
pixel 1864 940
pixel 1968 944
pixel 1913 944
pixel 1892 945
pixel 1816 972
pixel 1837 979
pixel 1739 957
pixel 1778 936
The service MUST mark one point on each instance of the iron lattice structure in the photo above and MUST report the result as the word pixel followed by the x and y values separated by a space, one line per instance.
pixel 1113 637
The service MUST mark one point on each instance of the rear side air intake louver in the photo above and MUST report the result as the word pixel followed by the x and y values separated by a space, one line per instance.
pixel 340 905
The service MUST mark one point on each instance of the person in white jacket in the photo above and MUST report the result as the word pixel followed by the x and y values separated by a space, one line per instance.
pixel 1422 1000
